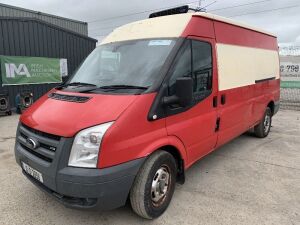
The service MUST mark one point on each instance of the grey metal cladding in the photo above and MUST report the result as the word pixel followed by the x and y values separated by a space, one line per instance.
pixel 69 24
pixel 33 37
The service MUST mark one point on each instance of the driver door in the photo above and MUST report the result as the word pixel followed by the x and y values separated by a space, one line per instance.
pixel 195 125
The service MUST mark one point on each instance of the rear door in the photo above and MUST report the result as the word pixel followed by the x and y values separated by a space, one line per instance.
pixel 195 125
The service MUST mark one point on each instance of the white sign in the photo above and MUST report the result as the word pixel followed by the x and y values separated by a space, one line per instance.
pixel 289 50
pixel 290 74
pixel 12 70
pixel 63 67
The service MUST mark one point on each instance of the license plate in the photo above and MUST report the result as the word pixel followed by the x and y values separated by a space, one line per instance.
pixel 32 172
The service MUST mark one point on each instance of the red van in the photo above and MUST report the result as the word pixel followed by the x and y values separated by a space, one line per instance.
pixel 156 96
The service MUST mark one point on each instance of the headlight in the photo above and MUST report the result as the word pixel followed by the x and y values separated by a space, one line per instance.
pixel 85 149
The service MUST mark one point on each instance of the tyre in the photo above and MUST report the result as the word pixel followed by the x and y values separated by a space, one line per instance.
pixel 154 185
pixel 263 128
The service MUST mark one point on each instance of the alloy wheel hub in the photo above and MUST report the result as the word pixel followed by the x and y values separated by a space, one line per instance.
pixel 160 185
pixel 267 123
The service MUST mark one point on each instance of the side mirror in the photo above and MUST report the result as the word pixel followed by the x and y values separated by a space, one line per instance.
pixel 183 92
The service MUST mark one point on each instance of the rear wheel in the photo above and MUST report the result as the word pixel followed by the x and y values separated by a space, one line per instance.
pixel 263 128
pixel 154 185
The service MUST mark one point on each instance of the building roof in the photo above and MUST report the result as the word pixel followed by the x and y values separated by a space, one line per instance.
pixel 36 20
pixel 70 24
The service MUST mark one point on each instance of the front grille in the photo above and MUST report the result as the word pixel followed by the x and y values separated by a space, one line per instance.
pixel 46 143
pixel 43 134
pixel 36 153
pixel 69 98
pixel 49 147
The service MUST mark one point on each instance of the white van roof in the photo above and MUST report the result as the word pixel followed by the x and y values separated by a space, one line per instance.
pixel 166 27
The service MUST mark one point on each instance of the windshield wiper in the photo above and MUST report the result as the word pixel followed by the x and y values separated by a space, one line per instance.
pixel 123 86
pixel 76 84
pixel 114 87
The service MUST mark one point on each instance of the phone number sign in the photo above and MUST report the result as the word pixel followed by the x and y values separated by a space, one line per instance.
pixel 290 75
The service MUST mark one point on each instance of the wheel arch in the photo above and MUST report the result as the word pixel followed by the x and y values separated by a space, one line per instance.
pixel 180 162
pixel 175 147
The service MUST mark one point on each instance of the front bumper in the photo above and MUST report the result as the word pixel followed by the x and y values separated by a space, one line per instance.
pixel 104 189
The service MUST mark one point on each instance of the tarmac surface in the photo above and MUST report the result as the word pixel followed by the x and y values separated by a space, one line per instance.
pixel 248 181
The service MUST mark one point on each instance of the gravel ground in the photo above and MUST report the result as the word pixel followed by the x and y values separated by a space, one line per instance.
pixel 248 181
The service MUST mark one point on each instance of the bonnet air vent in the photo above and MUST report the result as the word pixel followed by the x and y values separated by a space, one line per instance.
pixel 69 98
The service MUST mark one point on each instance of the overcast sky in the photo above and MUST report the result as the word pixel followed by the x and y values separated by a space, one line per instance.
pixel 283 20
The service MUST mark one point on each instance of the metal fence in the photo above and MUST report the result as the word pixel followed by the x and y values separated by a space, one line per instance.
pixel 290 81
pixel 290 98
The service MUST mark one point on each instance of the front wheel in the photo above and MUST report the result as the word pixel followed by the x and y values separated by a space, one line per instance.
pixel 263 128
pixel 154 185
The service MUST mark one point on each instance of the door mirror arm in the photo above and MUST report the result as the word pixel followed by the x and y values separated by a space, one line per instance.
pixel 183 92
pixel 169 100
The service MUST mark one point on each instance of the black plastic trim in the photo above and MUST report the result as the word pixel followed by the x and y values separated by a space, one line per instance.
pixel 83 188
pixel 69 98
pixel 263 80
pixel 172 11
pixel 223 99
pixel 276 107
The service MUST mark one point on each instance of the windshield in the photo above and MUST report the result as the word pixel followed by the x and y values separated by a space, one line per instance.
pixel 124 65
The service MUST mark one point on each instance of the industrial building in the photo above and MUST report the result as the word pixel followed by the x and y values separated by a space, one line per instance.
pixel 68 24
pixel 26 33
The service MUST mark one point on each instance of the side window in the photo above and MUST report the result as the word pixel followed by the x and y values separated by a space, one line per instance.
pixel 202 66
pixel 182 66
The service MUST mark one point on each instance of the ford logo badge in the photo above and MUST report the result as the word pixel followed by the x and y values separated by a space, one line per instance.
pixel 32 143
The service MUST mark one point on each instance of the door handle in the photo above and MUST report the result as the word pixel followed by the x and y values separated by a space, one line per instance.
pixel 223 99
pixel 217 128
pixel 215 101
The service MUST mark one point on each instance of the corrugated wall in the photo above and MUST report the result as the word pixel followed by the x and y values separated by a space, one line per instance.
pixel 31 37
pixel 69 24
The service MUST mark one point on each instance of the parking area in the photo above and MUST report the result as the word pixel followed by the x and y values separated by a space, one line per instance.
pixel 247 181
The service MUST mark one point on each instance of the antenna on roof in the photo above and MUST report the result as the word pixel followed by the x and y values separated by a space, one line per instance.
pixel 200 8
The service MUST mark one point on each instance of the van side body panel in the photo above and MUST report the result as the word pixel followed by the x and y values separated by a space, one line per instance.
pixel 248 67
pixel 234 35
pixel 252 53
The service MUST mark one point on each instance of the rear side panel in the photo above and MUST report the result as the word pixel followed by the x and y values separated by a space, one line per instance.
pixel 248 67
pixel 234 35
